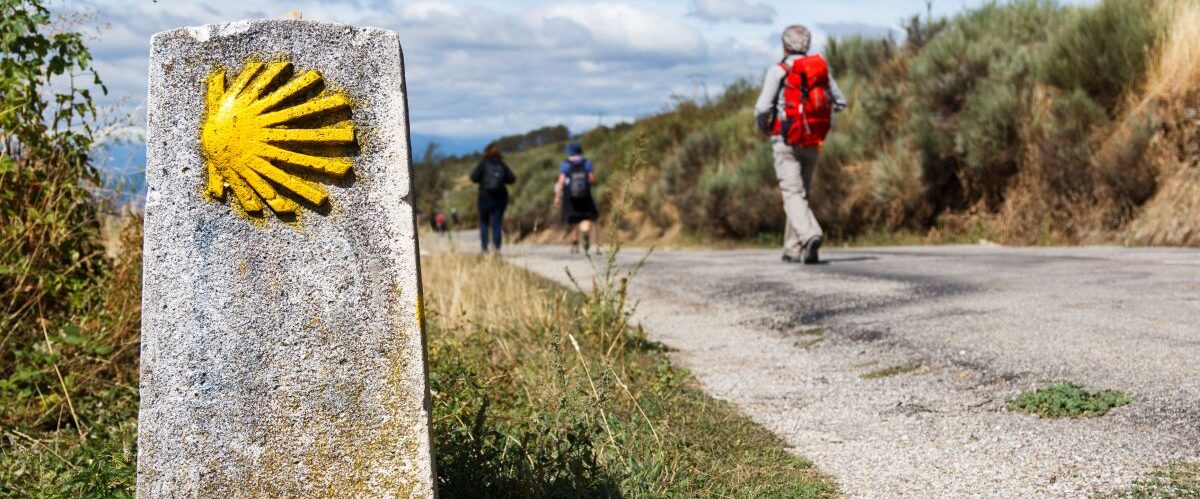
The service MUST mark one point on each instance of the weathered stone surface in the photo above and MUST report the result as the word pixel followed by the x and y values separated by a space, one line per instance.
pixel 282 357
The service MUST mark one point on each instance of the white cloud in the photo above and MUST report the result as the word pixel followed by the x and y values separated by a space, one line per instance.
pixel 625 30
pixel 477 71
pixel 425 11
pixel 865 30
pixel 733 10
pixel 483 70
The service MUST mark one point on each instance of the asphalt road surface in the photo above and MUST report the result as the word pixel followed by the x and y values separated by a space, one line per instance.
pixel 970 326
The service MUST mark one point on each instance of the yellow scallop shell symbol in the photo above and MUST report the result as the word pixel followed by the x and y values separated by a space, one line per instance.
pixel 255 139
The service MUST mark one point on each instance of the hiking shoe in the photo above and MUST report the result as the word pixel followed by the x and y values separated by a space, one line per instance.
pixel 810 253
pixel 790 259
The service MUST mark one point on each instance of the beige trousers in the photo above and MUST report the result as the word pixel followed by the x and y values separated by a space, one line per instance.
pixel 794 167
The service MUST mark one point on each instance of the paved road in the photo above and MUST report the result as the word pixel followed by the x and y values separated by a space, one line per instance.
pixel 983 324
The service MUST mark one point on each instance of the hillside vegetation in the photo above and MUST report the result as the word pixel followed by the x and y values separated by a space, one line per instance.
pixel 1026 122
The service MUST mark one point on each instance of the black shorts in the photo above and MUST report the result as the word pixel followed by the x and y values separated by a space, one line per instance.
pixel 575 210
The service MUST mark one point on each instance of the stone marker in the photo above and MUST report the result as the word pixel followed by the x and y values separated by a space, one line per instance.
pixel 282 346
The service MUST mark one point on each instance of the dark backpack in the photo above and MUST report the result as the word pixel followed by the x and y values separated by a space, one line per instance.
pixel 493 177
pixel 578 184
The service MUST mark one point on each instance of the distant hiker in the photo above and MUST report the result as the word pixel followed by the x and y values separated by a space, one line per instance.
pixel 453 217
pixel 493 176
pixel 573 193
pixel 439 222
pixel 795 108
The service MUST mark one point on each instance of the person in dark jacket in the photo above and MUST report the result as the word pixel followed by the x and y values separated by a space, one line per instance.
pixel 493 177
pixel 573 193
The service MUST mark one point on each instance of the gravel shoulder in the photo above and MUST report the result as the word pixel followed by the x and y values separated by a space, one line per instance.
pixel 971 326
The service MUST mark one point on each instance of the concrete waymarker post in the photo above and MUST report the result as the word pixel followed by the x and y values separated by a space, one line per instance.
pixel 282 348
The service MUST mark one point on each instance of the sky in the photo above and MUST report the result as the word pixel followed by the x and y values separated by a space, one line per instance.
pixel 479 69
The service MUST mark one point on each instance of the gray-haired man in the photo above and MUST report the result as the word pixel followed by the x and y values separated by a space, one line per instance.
pixel 795 162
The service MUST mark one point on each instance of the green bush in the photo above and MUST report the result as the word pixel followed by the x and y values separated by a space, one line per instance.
pixel 48 228
pixel 898 189
pixel 1061 138
pixel 857 56
pixel 1103 50
pixel 969 87
pixel 741 202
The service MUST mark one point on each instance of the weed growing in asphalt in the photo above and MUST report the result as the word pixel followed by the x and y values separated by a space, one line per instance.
pixel 809 337
pixel 1176 480
pixel 1068 400
pixel 892 371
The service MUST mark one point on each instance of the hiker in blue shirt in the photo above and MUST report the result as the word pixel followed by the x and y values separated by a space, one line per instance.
pixel 493 177
pixel 573 194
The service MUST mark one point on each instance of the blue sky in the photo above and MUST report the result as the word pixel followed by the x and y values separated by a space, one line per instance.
pixel 480 69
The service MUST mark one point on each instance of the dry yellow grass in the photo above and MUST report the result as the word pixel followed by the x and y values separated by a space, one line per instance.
pixel 1176 72
pixel 1172 92
pixel 466 290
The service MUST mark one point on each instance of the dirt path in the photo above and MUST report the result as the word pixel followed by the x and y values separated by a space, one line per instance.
pixel 971 326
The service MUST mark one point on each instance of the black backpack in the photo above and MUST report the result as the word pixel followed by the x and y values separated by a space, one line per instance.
pixel 578 184
pixel 493 177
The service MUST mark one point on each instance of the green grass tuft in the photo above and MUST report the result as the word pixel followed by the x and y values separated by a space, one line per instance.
pixel 1179 480
pixel 1068 400
pixel 892 371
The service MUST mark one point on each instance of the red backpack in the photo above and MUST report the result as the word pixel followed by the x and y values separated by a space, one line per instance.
pixel 807 109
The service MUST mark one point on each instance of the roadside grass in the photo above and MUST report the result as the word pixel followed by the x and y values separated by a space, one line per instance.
pixel 896 370
pixel 68 410
pixel 1068 400
pixel 543 392
pixel 1176 480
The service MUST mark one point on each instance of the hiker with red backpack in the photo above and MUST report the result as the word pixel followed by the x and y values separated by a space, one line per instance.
pixel 795 108
pixel 573 194
pixel 493 177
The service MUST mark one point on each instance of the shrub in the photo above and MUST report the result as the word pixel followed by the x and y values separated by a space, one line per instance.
pixel 742 202
pixel 48 230
pixel 858 56
pixel 898 189
pixel 1103 50
pixel 969 85
pixel 1121 164
pixel 69 317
